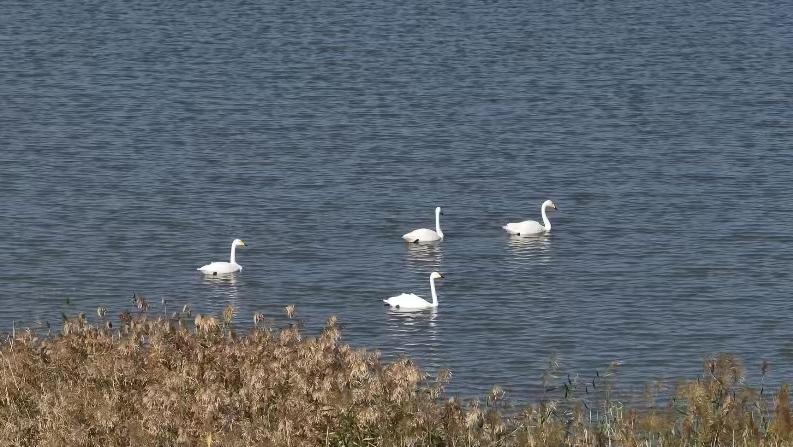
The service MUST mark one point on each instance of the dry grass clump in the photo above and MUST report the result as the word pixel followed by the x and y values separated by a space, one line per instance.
pixel 190 380
pixel 181 382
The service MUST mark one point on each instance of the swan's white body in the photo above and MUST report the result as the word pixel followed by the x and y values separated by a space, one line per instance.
pixel 220 268
pixel 531 227
pixel 224 268
pixel 412 301
pixel 425 234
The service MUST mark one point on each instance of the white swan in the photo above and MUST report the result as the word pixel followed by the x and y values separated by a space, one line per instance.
pixel 220 268
pixel 427 235
pixel 530 227
pixel 411 301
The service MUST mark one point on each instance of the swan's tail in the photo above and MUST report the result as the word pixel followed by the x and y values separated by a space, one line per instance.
pixel 386 302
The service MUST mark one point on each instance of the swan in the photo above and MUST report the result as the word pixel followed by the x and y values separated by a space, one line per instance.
pixel 220 268
pixel 427 235
pixel 530 227
pixel 411 301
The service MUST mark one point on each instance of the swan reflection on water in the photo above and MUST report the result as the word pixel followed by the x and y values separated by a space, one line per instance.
pixel 413 316
pixel 424 257
pixel 415 332
pixel 536 248
pixel 230 279
pixel 226 285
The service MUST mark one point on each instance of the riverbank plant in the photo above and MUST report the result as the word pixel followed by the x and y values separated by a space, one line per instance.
pixel 199 380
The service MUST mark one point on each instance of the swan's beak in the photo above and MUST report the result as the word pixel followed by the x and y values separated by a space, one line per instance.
pixel 244 244
pixel 556 208
pixel 441 275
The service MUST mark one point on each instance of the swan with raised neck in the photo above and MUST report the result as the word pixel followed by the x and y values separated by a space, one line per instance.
pixel 413 301
pixel 531 227
pixel 425 234
pixel 220 267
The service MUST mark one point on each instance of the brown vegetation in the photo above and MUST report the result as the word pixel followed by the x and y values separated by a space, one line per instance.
pixel 195 381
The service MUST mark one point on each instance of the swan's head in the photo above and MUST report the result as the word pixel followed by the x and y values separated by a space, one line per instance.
pixel 436 275
pixel 239 243
pixel 549 204
pixel 438 211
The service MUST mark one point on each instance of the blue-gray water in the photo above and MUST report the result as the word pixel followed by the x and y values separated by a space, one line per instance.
pixel 137 139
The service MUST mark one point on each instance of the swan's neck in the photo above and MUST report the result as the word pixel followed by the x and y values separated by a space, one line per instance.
pixel 434 296
pixel 545 220
pixel 233 257
pixel 438 224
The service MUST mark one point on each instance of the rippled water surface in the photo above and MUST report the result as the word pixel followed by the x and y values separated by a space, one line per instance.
pixel 137 139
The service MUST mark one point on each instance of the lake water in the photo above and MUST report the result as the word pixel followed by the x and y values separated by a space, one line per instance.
pixel 137 139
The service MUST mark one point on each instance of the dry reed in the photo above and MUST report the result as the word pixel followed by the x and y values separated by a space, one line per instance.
pixel 181 380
